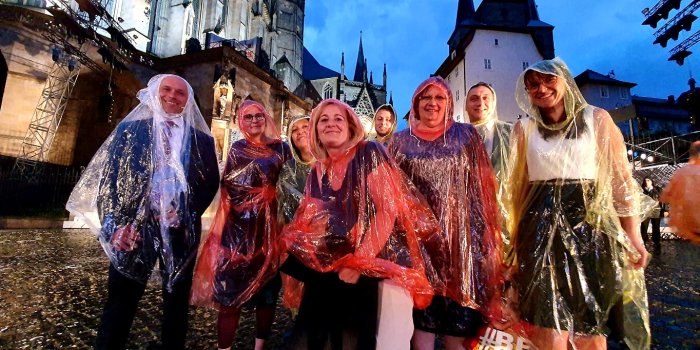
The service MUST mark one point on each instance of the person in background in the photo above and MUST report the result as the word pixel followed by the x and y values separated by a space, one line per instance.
pixel 650 189
pixel 481 109
pixel 290 191
pixel 681 194
pixel 149 184
pixel 384 124
pixel 239 260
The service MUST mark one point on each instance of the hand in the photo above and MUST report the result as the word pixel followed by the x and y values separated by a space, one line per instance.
pixel 349 276
pixel 643 256
pixel 125 239
pixel 665 214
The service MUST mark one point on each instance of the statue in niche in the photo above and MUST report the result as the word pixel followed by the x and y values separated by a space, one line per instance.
pixel 223 96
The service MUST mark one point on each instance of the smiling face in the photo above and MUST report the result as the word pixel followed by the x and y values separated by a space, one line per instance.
pixel 173 94
pixel 383 122
pixel 545 90
pixel 480 104
pixel 253 121
pixel 431 107
pixel 300 135
pixel 332 127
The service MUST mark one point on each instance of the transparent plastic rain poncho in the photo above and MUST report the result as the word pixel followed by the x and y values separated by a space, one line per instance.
pixel 290 186
pixel 498 151
pixel 360 212
pixel 290 190
pixel 131 180
pixel 373 136
pixel 568 187
pixel 241 252
pixel 681 193
pixel 452 170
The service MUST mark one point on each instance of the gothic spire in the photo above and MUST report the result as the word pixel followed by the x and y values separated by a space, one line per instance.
pixel 342 65
pixel 391 98
pixel 361 65
pixel 371 78
pixel 384 83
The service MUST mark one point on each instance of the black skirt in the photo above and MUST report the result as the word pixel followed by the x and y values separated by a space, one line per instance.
pixel 569 275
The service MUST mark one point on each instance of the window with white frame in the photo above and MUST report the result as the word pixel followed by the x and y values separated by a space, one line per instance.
pixel 487 63
pixel 495 42
pixel 604 93
pixel 525 65
pixel 457 95
pixel 327 91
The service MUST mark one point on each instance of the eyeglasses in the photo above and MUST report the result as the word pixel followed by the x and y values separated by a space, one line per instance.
pixel 533 84
pixel 437 99
pixel 256 116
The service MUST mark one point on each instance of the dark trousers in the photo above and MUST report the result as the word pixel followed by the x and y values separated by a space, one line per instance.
pixel 122 302
pixel 655 229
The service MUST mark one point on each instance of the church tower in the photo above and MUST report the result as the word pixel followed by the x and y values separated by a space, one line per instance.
pixel 494 44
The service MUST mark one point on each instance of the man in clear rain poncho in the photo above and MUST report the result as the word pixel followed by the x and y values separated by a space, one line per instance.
pixel 573 213
pixel 481 108
pixel 149 184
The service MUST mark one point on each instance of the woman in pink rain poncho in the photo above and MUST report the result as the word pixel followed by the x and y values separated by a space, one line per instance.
pixel 574 213
pixel 448 164
pixel 354 241
pixel 239 261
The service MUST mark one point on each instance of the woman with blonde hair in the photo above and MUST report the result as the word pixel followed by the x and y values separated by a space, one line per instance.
pixel 354 241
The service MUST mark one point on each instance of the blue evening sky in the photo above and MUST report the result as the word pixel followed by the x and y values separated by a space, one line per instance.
pixel 411 37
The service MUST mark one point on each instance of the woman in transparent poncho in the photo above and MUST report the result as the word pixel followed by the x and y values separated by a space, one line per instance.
pixel 290 190
pixel 574 216
pixel 355 233
pixel 143 195
pixel 384 124
pixel 239 261
pixel 448 164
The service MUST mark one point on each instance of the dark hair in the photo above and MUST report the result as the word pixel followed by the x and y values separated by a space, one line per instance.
pixel 694 150
pixel 650 179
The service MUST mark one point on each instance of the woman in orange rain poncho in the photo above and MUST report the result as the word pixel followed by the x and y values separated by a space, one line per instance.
pixel 240 259
pixel 574 210
pixel 681 193
pixel 354 241
pixel 449 165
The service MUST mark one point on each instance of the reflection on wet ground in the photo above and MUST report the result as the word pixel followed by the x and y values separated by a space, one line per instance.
pixel 52 289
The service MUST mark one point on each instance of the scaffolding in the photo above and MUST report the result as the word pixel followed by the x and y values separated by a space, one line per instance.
pixel 69 30
pixel 47 116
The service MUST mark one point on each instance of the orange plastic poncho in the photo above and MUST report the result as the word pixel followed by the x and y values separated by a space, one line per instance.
pixel 241 253
pixel 681 195
pixel 368 217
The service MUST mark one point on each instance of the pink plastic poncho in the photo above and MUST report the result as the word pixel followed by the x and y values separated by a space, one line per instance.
pixel 359 212
pixel 242 253
pixel 681 194
pixel 452 170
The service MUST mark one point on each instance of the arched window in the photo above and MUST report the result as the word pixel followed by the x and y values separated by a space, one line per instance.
pixel 327 91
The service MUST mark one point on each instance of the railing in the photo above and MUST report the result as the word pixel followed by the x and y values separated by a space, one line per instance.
pixel 668 150
pixel 46 196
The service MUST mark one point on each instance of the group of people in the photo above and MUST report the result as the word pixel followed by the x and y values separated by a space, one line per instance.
pixel 384 240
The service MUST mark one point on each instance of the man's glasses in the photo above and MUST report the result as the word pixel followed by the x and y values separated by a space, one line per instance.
pixel 256 116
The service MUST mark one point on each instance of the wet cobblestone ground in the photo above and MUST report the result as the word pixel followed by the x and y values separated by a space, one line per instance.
pixel 52 288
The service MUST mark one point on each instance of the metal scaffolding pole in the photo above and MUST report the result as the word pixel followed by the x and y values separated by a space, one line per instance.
pixel 47 117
